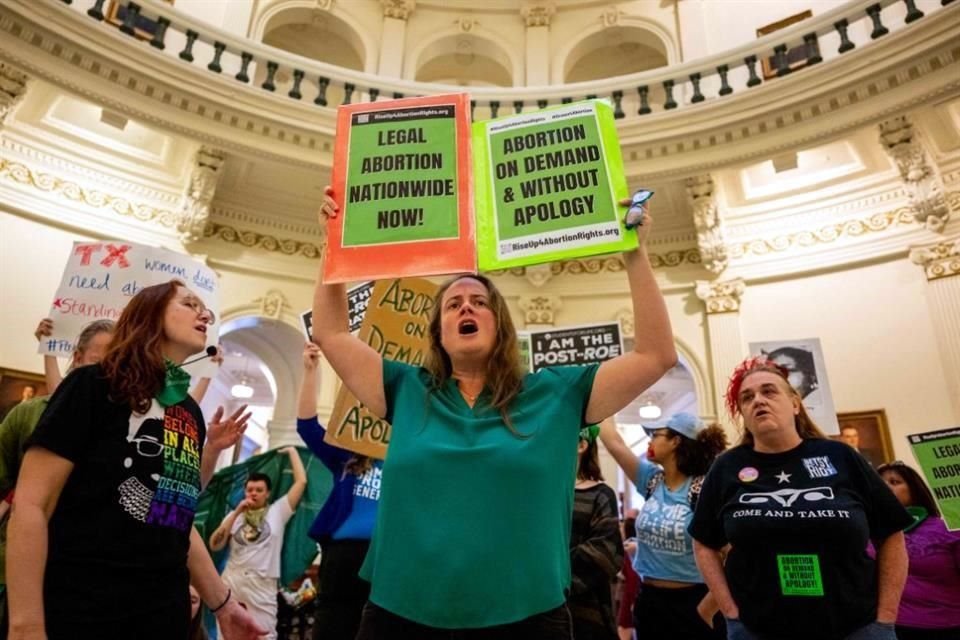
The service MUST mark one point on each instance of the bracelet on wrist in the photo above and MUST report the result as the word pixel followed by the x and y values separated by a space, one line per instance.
pixel 224 603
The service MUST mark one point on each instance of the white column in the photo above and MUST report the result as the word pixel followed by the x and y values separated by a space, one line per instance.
pixel 537 63
pixel 724 339
pixel 941 265
pixel 393 37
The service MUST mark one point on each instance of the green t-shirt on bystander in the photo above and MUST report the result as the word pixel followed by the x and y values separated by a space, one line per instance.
pixel 473 526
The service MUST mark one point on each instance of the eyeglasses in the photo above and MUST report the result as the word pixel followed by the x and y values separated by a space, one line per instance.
pixel 197 305
pixel 665 434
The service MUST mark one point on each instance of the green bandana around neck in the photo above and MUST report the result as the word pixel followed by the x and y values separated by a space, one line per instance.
pixel 254 517
pixel 590 433
pixel 919 514
pixel 175 384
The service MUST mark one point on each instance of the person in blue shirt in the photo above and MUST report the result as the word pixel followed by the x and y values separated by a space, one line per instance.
pixel 674 601
pixel 345 522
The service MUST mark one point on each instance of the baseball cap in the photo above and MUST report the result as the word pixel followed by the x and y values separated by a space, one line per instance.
pixel 686 424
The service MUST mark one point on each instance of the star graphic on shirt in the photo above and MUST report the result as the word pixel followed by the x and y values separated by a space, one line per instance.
pixel 783 477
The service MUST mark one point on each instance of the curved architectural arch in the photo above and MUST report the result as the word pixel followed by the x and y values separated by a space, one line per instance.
pixel 701 381
pixel 658 38
pixel 290 12
pixel 444 42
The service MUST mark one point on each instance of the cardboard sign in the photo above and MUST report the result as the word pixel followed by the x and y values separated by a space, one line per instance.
pixel 586 344
pixel 396 326
pixel 938 455
pixel 357 299
pixel 402 182
pixel 803 359
pixel 548 183
pixel 101 277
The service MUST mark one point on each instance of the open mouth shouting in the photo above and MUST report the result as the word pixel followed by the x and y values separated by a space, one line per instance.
pixel 467 327
pixel 761 413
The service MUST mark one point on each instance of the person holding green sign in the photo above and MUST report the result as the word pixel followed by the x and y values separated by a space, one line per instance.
pixel 930 607
pixel 475 513
pixel 797 510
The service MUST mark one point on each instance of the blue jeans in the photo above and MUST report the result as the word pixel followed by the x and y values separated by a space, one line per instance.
pixel 873 631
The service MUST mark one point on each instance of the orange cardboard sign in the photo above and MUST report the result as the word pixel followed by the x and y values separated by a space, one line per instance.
pixel 401 177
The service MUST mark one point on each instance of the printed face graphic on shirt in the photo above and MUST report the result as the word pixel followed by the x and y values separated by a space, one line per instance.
pixel 163 459
pixel 252 533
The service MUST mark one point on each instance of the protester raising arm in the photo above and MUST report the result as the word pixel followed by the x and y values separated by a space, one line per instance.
pixel 51 368
pixel 620 380
pixel 299 477
pixel 357 364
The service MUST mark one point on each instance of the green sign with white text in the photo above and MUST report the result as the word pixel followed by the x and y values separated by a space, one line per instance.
pixel 938 454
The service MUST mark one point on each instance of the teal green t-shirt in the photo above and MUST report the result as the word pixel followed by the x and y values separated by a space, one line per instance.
pixel 473 526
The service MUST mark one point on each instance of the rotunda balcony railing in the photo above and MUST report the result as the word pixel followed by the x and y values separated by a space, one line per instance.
pixel 260 68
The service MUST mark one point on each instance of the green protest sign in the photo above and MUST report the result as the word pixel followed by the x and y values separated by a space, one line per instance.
pixel 938 454
pixel 401 177
pixel 523 340
pixel 547 185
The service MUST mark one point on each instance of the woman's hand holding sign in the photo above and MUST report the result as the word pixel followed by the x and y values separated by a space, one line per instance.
pixel 329 208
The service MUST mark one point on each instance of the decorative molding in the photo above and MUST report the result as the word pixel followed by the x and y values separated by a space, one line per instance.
pixel 256 240
pixel 56 186
pixel 539 309
pixel 53 185
pixel 324 5
pixel 626 318
pixel 466 25
pixel 711 238
pixel 940 260
pixel 921 178
pixel 537 14
pixel 399 9
pixel 721 297
pixel 272 304
pixel 13 87
pixel 611 16
pixel 195 209
pixel 538 274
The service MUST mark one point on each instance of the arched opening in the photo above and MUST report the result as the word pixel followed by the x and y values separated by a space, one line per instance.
pixel 261 369
pixel 614 51
pixel 465 60
pixel 317 35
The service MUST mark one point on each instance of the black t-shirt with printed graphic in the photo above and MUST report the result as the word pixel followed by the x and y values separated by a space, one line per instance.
pixel 119 535
pixel 798 523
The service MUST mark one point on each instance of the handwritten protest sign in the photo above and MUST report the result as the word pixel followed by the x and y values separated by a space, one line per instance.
pixel 807 372
pixel 586 344
pixel 402 182
pixel 547 186
pixel 101 277
pixel 357 299
pixel 938 454
pixel 396 326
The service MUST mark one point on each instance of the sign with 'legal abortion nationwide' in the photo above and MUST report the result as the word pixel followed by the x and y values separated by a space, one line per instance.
pixel 548 183
pixel 101 277
pixel 586 344
pixel 395 325
pixel 401 179
pixel 938 454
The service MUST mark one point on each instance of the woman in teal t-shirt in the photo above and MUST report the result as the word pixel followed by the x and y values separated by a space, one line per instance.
pixel 474 519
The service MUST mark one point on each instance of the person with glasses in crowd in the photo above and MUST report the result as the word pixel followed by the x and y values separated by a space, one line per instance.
pixel 673 601
pixel 930 606
pixel 101 540
pixel 797 511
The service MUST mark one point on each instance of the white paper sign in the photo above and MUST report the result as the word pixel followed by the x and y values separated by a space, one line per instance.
pixel 808 375
pixel 101 277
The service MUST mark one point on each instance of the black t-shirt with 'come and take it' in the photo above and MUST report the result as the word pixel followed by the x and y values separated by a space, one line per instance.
pixel 798 523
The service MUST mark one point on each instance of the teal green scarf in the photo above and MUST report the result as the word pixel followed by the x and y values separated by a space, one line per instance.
pixel 176 381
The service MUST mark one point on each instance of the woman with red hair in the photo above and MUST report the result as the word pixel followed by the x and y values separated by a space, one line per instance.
pixel 797 510
pixel 101 542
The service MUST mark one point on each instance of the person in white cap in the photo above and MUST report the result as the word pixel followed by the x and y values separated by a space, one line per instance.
pixel 673 601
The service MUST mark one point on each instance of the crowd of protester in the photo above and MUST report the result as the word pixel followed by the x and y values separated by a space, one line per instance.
pixel 490 519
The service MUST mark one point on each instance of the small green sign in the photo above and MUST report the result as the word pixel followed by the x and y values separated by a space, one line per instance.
pixel 523 339
pixel 401 177
pixel 800 575
pixel 938 454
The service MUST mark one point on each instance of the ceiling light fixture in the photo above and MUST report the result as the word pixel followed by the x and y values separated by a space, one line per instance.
pixel 650 411
pixel 243 390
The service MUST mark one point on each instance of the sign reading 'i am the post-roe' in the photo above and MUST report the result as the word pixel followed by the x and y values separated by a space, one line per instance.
pixel 401 179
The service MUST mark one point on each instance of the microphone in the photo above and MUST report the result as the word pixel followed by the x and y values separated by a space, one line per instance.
pixel 211 351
